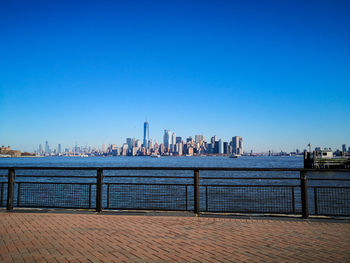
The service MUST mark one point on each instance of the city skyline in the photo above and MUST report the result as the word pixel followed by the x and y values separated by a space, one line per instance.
pixel 174 144
pixel 167 139
pixel 274 72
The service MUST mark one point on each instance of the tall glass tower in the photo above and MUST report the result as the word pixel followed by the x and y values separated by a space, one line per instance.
pixel 145 134
pixel 237 144
pixel 47 147
pixel 166 139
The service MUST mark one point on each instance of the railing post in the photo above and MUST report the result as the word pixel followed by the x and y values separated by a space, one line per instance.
pixel 196 190
pixel 10 189
pixel 99 183
pixel 304 195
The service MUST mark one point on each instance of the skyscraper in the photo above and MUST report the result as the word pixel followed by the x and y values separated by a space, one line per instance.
pixel 241 145
pixel 214 144
pixel 166 140
pixel 226 147
pixel 221 147
pixel 179 139
pixel 173 142
pixel 199 139
pixel 146 134
pixel 133 142
pixel 237 145
pixel 190 140
pixel 59 150
pixel 129 142
pixel 178 148
pixel 47 147
pixel 343 148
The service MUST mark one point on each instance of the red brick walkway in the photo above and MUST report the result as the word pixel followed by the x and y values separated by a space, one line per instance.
pixel 40 237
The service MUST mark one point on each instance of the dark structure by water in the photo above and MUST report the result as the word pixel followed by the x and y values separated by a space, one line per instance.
pixel 316 160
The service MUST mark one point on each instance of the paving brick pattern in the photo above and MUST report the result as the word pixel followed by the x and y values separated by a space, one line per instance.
pixel 49 237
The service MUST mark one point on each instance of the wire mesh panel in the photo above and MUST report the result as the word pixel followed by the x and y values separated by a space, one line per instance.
pixel 332 200
pixel 147 196
pixel 55 195
pixel 3 194
pixel 250 199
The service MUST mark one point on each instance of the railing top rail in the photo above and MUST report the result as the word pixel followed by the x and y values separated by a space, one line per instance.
pixel 175 168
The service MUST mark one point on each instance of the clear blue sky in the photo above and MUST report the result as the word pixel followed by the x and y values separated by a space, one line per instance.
pixel 276 73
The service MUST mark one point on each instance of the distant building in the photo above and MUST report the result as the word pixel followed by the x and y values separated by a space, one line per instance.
pixel 229 149
pixel 124 150
pixel 146 134
pixel 173 142
pixel 237 144
pixel 343 148
pixel 326 153
pixel 8 151
pixel 47 147
pixel 156 146
pixel 190 151
pixel 179 148
pixel 220 147
pixel 129 142
pixel 76 148
pixel 199 139
pixel 216 147
pixel 134 151
pixel 59 150
pixel 213 140
pixel 173 138
pixel 178 139
pixel 213 147
pixel 189 140
pixel 133 142
pixel 226 148
pixel 117 151
pixel 166 140
pixel 161 148
pixel 241 145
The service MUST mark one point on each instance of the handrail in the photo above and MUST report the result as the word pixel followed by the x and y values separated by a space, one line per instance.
pixel 175 168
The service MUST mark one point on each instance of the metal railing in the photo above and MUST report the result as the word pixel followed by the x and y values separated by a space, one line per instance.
pixel 268 191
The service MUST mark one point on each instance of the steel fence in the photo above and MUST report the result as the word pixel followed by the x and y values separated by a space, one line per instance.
pixel 296 194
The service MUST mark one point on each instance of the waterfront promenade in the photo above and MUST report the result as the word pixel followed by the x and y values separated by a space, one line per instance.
pixel 89 237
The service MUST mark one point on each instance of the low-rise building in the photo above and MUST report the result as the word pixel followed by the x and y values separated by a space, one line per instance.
pixel 7 151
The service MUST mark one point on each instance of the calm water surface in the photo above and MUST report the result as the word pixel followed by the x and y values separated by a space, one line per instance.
pixel 202 161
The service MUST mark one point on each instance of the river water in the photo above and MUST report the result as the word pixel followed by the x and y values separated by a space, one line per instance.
pixel 167 161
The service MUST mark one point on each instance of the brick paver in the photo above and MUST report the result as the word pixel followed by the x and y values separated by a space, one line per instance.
pixel 50 237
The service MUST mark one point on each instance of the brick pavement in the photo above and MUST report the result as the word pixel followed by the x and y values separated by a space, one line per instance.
pixel 50 237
